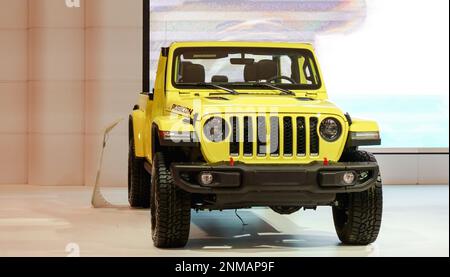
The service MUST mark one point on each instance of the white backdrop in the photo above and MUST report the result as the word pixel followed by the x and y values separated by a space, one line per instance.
pixel 394 68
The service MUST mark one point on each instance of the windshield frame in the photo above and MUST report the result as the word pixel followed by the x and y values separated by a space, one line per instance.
pixel 249 86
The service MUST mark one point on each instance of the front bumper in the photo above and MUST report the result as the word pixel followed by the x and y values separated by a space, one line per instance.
pixel 315 178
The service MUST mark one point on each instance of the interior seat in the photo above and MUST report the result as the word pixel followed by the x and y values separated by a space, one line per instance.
pixel 250 73
pixel 192 73
pixel 219 79
pixel 266 69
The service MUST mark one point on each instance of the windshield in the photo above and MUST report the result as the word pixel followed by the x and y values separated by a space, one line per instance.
pixel 238 67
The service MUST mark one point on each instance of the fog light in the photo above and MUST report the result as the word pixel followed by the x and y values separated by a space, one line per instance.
pixel 206 178
pixel 349 178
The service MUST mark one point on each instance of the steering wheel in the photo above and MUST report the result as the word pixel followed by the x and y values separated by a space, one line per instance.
pixel 282 78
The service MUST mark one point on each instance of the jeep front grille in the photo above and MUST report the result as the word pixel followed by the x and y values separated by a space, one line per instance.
pixel 301 136
pixel 248 136
pixel 274 136
pixel 261 147
pixel 270 136
pixel 234 144
pixel 288 136
pixel 314 136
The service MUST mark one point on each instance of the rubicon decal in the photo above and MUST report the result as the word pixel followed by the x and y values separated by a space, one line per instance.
pixel 181 109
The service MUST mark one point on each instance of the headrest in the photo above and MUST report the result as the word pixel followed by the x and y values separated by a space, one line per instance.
pixel 192 73
pixel 185 63
pixel 219 79
pixel 250 72
pixel 267 69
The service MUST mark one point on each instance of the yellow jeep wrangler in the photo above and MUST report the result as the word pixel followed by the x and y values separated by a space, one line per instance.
pixel 234 125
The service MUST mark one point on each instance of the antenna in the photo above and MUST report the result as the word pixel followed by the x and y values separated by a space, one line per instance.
pixel 146 47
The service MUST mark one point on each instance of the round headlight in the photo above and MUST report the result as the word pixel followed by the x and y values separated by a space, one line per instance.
pixel 216 129
pixel 330 129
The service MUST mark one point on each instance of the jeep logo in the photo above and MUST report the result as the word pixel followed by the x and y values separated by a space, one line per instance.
pixel 73 3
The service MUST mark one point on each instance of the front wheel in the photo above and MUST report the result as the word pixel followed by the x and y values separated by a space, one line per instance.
pixel 357 217
pixel 170 208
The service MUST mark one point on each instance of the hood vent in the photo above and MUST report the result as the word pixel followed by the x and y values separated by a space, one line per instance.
pixel 217 98
pixel 304 99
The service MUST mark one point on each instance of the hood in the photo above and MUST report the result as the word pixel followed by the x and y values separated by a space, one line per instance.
pixel 230 104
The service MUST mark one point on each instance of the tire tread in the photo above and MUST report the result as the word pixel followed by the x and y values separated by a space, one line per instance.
pixel 364 208
pixel 173 208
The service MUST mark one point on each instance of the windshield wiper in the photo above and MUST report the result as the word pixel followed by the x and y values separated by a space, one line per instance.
pixel 229 90
pixel 284 91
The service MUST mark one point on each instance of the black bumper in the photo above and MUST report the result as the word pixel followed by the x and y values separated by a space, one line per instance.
pixel 315 178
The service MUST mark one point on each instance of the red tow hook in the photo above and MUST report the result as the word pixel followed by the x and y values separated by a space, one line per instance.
pixel 231 161
pixel 326 162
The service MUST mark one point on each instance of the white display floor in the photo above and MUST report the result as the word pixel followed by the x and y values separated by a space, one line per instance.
pixel 47 221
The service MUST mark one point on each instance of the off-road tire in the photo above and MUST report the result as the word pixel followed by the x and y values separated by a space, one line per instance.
pixel 357 218
pixel 170 208
pixel 138 180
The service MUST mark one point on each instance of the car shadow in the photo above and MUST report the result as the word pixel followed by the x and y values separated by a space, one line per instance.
pixel 217 231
